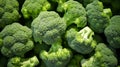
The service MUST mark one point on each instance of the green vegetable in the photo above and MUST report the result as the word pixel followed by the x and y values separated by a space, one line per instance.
pixel 48 27
pixel 97 18
pixel 32 8
pixel 16 40
pixel 103 57
pixel 74 13
pixel 56 56
pixel 23 62
pixel 8 12
pixel 112 32
pixel 81 41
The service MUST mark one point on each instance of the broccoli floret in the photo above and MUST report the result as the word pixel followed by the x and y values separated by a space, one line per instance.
pixel 112 32
pixel 75 61
pixel 103 57
pixel 16 40
pixel 48 27
pixel 56 56
pixel 8 12
pixel 74 13
pixel 98 18
pixel 23 62
pixel 32 8
pixel 81 41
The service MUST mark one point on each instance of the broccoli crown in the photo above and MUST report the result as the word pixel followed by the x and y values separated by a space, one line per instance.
pixel 97 18
pixel 103 57
pixel 74 13
pixel 56 56
pixel 112 32
pixel 23 62
pixel 81 41
pixel 16 40
pixel 32 8
pixel 8 12
pixel 75 61
pixel 48 27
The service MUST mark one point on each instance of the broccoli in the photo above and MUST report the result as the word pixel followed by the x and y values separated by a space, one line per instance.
pixel 56 56
pixel 112 32
pixel 103 57
pixel 23 62
pixel 82 41
pixel 16 40
pixel 48 27
pixel 98 19
pixel 74 13
pixel 75 61
pixel 8 12
pixel 32 8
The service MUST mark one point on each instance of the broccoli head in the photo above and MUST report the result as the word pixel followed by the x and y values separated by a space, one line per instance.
pixel 23 62
pixel 112 32
pixel 74 13
pixel 81 41
pixel 32 8
pixel 98 18
pixel 103 57
pixel 16 40
pixel 8 12
pixel 48 27
pixel 56 56
pixel 75 61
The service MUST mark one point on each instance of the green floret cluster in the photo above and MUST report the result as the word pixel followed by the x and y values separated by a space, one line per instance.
pixel 59 33
pixel 8 12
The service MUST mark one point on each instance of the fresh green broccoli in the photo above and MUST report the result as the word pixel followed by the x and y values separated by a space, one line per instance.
pixel 23 62
pixel 98 18
pixel 74 13
pixel 48 27
pixel 16 40
pixel 56 56
pixel 75 61
pixel 112 32
pixel 103 57
pixel 32 8
pixel 81 41
pixel 8 12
